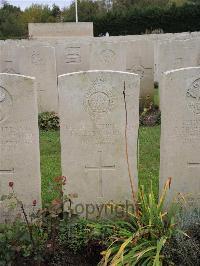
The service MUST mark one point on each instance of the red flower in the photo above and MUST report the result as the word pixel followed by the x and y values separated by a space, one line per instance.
pixel 11 184
pixel 34 202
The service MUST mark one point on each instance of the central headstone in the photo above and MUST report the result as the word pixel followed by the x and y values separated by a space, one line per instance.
pixel 99 119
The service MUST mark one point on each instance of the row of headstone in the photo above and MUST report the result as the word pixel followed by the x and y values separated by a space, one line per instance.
pixel 36 61
pixel 147 55
pixel 76 55
pixel 99 113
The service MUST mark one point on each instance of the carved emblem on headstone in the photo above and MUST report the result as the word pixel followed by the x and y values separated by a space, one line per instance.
pixel 5 103
pixel 98 100
pixel 193 97
pixel 36 58
pixel 107 56
pixel 177 62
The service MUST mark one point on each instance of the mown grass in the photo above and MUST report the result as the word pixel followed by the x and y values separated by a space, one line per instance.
pixel 50 161
pixel 149 157
pixel 149 139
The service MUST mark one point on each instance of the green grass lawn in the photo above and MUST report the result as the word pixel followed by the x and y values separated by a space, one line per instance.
pixel 149 139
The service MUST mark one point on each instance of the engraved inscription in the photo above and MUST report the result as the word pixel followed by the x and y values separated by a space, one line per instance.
pixel 107 56
pixel 194 164
pixel 9 68
pixel 98 134
pixel 100 168
pixel 5 104
pixel 7 171
pixel 73 55
pixel 36 58
pixel 177 62
pixel 193 97
pixel 13 136
pixel 189 130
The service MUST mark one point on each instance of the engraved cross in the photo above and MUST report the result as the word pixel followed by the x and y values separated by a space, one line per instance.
pixel 100 168
pixel 194 164
pixel 7 171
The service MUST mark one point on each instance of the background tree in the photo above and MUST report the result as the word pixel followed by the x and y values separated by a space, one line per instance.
pixel 37 13
pixel 11 22
pixel 87 10
pixel 118 17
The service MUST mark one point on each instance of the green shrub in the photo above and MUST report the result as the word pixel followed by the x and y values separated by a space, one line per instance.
pixel 48 121
pixel 147 236
pixel 30 237
pixel 131 20
pixel 182 250
pixel 77 234
pixel 16 244
pixel 73 234
pixel 140 240
pixel 150 114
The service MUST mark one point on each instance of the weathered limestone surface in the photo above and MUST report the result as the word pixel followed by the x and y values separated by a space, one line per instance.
pixel 176 54
pixel 140 60
pixel 180 132
pixel 108 55
pixel 19 140
pixel 37 61
pixel 93 125
pixel 72 56
pixel 55 30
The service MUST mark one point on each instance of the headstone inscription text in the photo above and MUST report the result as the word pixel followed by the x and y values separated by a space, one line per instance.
pixel 92 129
pixel 180 133
pixel 73 55
pixel 19 140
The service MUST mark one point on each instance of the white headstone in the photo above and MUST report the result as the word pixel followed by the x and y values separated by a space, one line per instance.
pixel 107 56
pixel 41 63
pixel 72 56
pixel 180 135
pixel 19 139
pixel 55 30
pixel 140 60
pixel 93 126
pixel 37 61
pixel 176 54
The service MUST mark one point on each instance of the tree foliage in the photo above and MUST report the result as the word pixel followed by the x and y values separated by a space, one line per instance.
pixel 118 17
